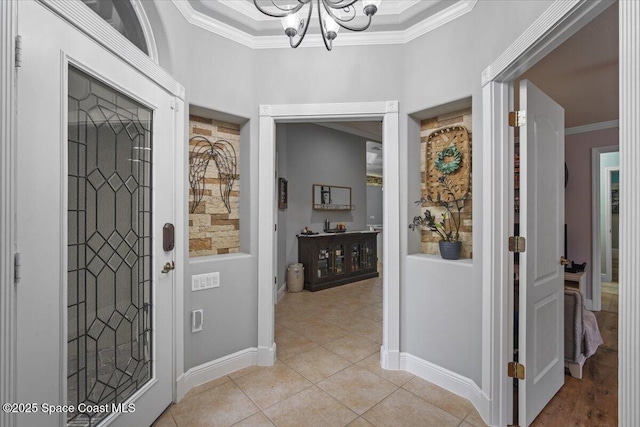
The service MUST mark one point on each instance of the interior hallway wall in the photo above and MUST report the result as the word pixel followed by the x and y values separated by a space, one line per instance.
pixel 578 195
pixel 319 155
pixel 440 311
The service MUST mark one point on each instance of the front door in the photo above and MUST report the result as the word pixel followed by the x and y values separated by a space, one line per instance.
pixel 541 335
pixel 96 177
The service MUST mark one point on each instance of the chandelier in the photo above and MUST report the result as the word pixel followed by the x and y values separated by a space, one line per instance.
pixel 332 14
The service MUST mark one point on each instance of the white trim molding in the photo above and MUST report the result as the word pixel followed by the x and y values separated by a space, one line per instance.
pixel 215 369
pixel 8 32
pixel 89 23
pixel 592 127
pixel 629 271
pixel 455 383
pixel 208 23
pixel 542 37
pixel 554 26
pixel 269 116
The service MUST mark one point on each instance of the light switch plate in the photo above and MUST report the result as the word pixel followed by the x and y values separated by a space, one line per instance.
pixel 200 282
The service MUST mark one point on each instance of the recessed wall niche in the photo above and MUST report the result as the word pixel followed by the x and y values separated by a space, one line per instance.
pixel 436 134
pixel 214 187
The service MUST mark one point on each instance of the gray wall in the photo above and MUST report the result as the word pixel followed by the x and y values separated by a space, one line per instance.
pixel 437 68
pixel 317 155
pixel 217 75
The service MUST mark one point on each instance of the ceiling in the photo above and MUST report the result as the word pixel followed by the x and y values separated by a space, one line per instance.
pixel 396 22
pixel 582 73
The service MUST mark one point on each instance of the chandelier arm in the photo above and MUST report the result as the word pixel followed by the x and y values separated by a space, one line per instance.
pixel 327 43
pixel 339 4
pixel 285 12
pixel 304 31
pixel 341 22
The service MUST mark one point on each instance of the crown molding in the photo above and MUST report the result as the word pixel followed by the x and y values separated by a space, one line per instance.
pixel 214 26
pixel 249 10
pixel 592 127
pixel 447 15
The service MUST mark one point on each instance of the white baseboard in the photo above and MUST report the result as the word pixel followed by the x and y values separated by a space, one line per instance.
pixel 266 355
pixel 455 383
pixel 215 369
pixel 281 290
pixel 389 359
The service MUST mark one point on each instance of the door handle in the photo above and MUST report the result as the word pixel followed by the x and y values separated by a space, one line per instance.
pixel 168 266
pixel 564 261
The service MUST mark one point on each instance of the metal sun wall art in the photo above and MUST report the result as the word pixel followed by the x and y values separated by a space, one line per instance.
pixel 224 156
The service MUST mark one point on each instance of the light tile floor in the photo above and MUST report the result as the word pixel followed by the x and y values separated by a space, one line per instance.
pixel 327 374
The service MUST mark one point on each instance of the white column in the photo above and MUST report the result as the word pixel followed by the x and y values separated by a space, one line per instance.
pixel 629 320
pixel 8 18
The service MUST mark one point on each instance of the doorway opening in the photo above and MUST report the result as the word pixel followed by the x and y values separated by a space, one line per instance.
pixel 588 124
pixel 387 113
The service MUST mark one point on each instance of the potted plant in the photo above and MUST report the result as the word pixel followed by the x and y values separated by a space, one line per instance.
pixel 448 227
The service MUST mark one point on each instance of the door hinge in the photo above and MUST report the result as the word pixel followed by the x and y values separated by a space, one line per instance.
pixel 18 57
pixel 17 268
pixel 515 370
pixel 517 244
pixel 517 118
pixel 275 280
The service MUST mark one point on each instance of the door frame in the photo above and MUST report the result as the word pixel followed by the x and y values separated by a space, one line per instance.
pixel 596 270
pixel 608 243
pixel 554 26
pixel 92 26
pixel 291 113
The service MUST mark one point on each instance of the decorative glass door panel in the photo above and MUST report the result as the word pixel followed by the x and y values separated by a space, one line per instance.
pixel 338 260
pixel 324 268
pixel 356 249
pixel 109 247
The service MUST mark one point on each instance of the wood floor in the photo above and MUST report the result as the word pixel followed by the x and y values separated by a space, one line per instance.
pixel 592 401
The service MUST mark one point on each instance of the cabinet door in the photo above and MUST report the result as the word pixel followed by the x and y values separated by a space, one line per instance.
pixel 339 266
pixel 323 263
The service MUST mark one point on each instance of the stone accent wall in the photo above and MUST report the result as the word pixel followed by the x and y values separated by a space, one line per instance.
pixel 212 229
pixel 430 239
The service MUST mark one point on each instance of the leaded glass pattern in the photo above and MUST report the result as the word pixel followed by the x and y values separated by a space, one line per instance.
pixel 109 247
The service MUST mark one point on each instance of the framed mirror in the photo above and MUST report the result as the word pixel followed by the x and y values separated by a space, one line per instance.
pixel 331 197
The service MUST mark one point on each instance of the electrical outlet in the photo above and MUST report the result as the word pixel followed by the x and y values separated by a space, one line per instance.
pixel 197 319
pixel 205 281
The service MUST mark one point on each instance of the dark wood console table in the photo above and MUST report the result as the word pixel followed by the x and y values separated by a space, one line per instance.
pixel 333 259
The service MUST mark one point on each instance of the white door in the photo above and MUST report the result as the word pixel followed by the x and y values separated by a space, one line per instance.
pixel 95 187
pixel 541 335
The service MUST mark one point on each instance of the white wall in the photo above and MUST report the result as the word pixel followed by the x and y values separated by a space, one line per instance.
pixel 441 66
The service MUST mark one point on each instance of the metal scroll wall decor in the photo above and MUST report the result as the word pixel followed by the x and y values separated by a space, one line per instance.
pixel 224 156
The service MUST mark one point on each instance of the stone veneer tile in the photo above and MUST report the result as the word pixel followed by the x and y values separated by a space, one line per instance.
pixel 311 407
pixel 405 409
